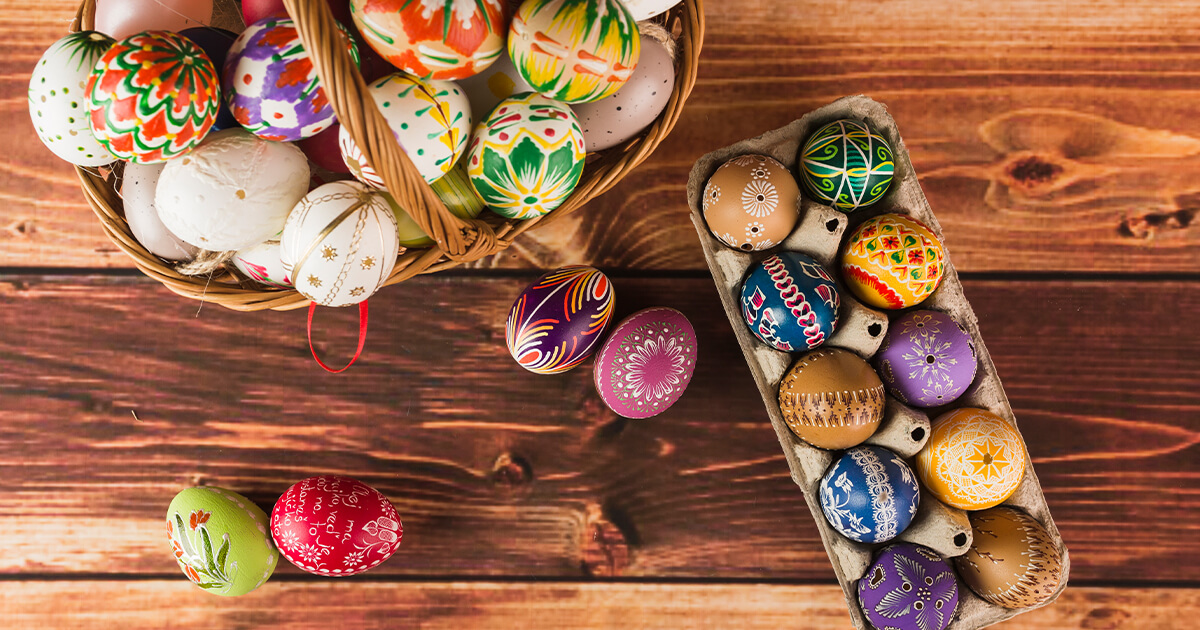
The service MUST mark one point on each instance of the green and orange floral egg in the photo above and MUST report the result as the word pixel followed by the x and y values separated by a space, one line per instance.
pixel 152 96
pixel 893 261
pixel 434 39
pixel 574 51
pixel 221 540
pixel 527 156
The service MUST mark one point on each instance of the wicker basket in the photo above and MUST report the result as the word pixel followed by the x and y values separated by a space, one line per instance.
pixel 456 240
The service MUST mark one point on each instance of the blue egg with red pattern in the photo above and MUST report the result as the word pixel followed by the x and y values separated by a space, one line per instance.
pixel 870 494
pixel 790 302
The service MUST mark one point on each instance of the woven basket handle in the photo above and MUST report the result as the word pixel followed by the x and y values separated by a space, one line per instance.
pixel 461 239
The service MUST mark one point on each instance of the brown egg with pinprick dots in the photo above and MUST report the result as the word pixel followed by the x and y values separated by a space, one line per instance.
pixel 1013 561
pixel 751 203
pixel 831 398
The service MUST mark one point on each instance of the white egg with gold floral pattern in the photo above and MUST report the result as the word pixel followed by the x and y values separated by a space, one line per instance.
pixel 431 121
pixel 340 243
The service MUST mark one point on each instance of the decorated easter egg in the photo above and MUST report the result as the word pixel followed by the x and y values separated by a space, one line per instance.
pixel 261 263
pixel 215 42
pixel 647 363
pixel 574 51
pixel 1013 561
pixel 335 526
pixel 926 359
pixel 646 9
pixel 152 96
pixel 560 319
pixel 613 120
pixel 431 121
pixel 271 84
pixel 831 398
pixel 122 18
pixel 58 100
pixel 255 10
pixel 527 156
pixel 221 540
pixel 893 261
pixel 790 302
pixel 846 164
pixel 138 185
pixel 498 82
pixel 454 189
pixel 974 459
pixel 436 39
pixel 340 243
pixel 908 587
pixel 751 203
pixel 869 494
pixel 233 191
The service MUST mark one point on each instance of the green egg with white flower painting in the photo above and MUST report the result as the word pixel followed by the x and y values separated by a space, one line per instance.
pixel 221 540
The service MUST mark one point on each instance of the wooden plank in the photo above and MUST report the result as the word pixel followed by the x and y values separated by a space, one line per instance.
pixel 1047 136
pixel 500 606
pixel 500 472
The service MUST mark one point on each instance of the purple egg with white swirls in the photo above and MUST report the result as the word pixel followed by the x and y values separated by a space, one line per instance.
pixel 271 85
pixel 927 359
pixel 909 587
pixel 559 321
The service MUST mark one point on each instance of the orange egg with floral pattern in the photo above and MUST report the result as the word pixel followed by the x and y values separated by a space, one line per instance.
pixel 434 39
pixel 974 459
pixel 893 261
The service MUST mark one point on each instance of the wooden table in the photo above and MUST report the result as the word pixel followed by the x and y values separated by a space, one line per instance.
pixel 1058 143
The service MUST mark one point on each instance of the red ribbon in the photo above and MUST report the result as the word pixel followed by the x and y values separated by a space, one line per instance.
pixel 362 336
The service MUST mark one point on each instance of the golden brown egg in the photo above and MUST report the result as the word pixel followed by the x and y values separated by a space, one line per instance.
pixel 831 399
pixel 751 203
pixel 1013 561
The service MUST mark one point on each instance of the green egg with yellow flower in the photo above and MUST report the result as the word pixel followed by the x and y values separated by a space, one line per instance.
pixel 221 540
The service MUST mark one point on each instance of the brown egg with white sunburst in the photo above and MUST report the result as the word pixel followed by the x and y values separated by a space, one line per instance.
pixel 751 203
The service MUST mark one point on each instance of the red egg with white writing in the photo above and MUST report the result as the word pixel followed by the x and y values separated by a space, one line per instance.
pixel 335 526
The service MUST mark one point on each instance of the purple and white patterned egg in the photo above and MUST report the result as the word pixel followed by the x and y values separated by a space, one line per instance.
pixel 908 587
pixel 926 359
pixel 271 84
pixel 558 321
pixel 647 363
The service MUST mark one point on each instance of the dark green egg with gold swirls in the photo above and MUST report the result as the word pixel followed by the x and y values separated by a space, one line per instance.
pixel 846 164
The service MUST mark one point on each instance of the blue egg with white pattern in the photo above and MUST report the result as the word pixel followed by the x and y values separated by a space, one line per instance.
pixel 870 494
pixel 790 302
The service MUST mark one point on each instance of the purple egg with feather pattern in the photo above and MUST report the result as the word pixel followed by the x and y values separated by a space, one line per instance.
pixel 558 321
pixel 909 587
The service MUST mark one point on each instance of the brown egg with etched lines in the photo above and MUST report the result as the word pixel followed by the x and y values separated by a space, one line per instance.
pixel 831 399
pixel 1013 561
pixel 751 203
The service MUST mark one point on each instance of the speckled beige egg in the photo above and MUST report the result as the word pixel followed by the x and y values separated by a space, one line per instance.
pixel 831 398
pixel 1013 561
pixel 751 203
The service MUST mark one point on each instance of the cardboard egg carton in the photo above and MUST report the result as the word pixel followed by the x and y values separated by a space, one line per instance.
pixel 861 330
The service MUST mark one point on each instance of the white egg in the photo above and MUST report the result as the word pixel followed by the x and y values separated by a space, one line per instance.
pixel 57 102
pixel 340 243
pixel 613 120
pixel 645 9
pixel 137 190
pixel 431 120
pixel 498 82
pixel 122 18
pixel 262 263
pixel 233 191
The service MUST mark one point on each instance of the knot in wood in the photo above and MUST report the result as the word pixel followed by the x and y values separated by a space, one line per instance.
pixel 605 546
pixel 1033 171
pixel 511 471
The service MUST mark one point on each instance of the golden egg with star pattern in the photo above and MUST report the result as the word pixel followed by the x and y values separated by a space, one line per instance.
pixel 974 459
pixel 340 243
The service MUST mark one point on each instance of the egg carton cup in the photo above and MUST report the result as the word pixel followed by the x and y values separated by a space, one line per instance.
pixel 457 240
pixel 904 430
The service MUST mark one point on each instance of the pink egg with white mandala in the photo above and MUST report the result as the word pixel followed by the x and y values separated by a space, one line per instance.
pixel 335 526
pixel 647 363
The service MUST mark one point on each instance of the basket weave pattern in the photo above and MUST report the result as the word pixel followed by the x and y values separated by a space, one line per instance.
pixel 456 240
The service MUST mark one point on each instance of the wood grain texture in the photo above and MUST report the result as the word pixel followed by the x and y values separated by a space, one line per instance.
pixel 500 472
pixel 510 606
pixel 1047 135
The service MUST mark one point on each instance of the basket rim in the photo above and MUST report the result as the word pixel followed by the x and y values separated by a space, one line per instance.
pixel 456 240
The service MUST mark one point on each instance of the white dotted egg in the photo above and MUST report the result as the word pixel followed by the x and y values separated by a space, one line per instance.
pixel 57 102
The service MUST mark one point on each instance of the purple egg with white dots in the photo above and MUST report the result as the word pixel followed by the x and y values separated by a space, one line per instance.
pixel 909 587
pixel 927 359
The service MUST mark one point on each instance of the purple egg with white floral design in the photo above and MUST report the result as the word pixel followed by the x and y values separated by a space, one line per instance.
pixel 271 85
pixel 870 494
pixel 647 363
pixel 927 359
pixel 909 587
